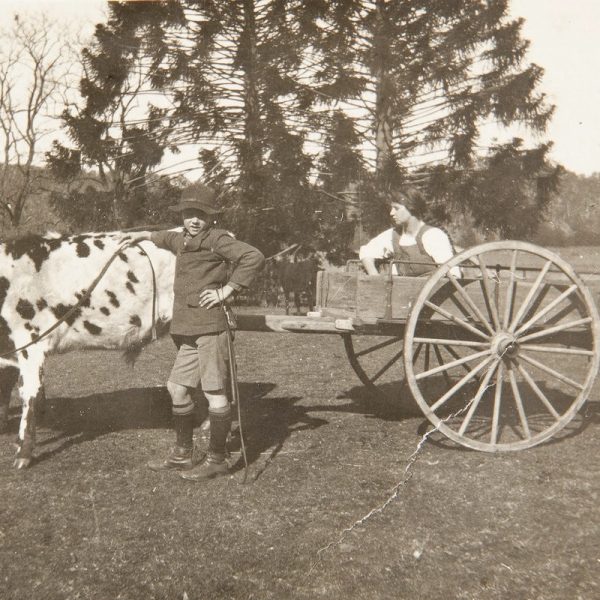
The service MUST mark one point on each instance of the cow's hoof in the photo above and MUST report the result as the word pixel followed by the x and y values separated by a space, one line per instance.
pixel 21 463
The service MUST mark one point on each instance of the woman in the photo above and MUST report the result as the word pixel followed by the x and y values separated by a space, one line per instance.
pixel 420 247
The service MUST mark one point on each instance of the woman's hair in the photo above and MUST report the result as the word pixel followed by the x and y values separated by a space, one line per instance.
pixel 410 197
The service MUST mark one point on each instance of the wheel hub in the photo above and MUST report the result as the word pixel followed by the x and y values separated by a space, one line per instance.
pixel 505 344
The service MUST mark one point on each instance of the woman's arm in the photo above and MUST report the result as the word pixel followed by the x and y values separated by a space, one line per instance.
pixel 380 247
pixel 369 265
pixel 438 245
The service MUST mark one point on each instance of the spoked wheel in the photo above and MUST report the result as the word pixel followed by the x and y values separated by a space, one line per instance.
pixel 515 346
pixel 377 360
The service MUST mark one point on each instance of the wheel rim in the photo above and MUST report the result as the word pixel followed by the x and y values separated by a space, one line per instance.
pixel 523 351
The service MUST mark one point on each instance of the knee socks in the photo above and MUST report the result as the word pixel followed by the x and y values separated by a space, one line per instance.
pixel 183 421
pixel 220 424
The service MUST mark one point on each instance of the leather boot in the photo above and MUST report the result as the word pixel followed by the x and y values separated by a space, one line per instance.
pixel 213 465
pixel 179 458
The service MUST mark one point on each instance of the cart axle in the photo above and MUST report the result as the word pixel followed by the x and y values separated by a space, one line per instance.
pixel 505 344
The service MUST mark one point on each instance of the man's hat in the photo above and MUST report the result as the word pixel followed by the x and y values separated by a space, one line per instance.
pixel 197 196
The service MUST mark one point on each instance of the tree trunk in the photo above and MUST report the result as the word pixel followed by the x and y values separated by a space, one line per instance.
pixel 251 147
pixel 383 89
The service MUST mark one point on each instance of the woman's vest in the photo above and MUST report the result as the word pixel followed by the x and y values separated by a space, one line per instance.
pixel 416 260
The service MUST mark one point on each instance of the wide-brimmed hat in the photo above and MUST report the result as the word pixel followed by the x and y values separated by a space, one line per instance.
pixel 201 197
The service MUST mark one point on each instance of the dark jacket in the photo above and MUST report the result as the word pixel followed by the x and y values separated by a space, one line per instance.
pixel 210 259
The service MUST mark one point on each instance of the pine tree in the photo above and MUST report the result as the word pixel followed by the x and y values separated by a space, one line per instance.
pixel 111 134
pixel 226 69
pixel 255 84
pixel 431 74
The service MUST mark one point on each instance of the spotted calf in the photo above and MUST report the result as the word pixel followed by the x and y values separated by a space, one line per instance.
pixel 43 278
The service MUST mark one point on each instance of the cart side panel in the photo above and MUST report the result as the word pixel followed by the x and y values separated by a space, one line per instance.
pixel 366 296
pixel 336 293
pixel 382 297
pixel 372 297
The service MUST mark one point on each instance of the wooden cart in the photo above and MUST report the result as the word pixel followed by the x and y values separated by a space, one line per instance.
pixel 500 358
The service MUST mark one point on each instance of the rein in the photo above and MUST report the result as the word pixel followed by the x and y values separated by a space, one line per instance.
pixel 88 292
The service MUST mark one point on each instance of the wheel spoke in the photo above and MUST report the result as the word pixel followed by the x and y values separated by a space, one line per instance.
pixel 546 310
pixel 442 342
pixel 512 347
pixel 489 297
pixel 497 401
pixel 561 314
pixel 555 350
pixel 475 402
pixel 440 359
pixel 456 320
pixel 474 308
pixel 519 402
pixel 538 392
pixel 459 384
pixel 378 346
pixel 530 296
pixel 417 352
pixel 551 371
pixel 555 329
pixel 455 355
pixel 510 292
pixel 387 365
pixel 454 363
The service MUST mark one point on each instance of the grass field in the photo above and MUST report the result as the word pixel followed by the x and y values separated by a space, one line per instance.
pixel 89 521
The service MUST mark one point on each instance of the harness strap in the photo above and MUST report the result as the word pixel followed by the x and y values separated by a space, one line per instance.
pixel 419 238
pixel 154 291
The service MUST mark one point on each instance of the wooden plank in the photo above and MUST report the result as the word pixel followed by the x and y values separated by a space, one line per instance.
pixel 366 296
pixel 285 324
pixel 338 290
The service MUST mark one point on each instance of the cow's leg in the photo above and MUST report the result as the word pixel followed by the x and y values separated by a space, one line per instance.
pixel 8 379
pixel 297 302
pixel 310 300
pixel 32 393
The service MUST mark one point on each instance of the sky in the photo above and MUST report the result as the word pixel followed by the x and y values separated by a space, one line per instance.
pixel 564 41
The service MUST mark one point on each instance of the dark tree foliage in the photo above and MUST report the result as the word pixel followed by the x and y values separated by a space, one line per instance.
pixel 342 185
pixel 109 132
pixel 371 94
pixel 88 207
pixel 573 214
pixel 432 73
pixel 503 197
pixel 227 68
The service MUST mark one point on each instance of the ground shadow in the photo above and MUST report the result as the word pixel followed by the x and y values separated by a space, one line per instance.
pixel 65 422
pixel 394 401
pixel 391 401
pixel 267 423
pixel 588 415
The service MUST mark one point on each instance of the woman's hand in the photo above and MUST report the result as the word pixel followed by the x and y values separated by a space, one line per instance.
pixel 210 298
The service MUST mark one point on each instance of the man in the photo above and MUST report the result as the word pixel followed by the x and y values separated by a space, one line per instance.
pixel 410 240
pixel 199 327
